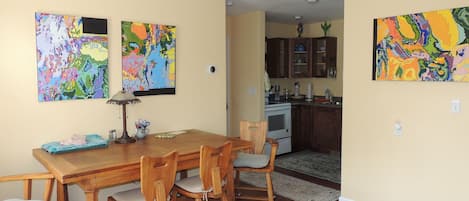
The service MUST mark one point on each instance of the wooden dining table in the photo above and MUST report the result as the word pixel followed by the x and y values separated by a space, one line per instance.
pixel 120 163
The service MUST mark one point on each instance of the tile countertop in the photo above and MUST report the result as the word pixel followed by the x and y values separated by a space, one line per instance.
pixel 317 101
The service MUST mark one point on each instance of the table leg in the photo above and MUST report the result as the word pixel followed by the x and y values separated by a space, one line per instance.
pixel 62 191
pixel 230 194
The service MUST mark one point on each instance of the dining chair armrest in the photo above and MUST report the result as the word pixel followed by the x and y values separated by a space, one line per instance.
pixel 271 141
pixel 273 152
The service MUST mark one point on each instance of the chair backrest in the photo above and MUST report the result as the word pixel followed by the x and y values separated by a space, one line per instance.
pixel 255 132
pixel 27 180
pixel 157 175
pixel 214 164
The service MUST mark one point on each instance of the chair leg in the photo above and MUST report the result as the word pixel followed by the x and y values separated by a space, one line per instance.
pixel 173 195
pixel 48 189
pixel 270 188
pixel 237 178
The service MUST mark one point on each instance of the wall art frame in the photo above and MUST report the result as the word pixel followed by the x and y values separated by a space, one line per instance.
pixel 148 58
pixel 72 57
pixel 427 46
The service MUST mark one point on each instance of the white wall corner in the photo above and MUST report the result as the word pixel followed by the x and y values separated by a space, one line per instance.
pixel 344 199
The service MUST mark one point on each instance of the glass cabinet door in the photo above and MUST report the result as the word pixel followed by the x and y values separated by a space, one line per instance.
pixel 324 56
pixel 300 57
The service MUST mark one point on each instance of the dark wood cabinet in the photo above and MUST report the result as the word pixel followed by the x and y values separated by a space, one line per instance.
pixel 300 57
pixel 277 57
pixel 324 56
pixel 327 132
pixel 316 128
pixel 302 127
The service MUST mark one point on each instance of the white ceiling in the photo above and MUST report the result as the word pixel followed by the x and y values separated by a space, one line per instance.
pixel 284 11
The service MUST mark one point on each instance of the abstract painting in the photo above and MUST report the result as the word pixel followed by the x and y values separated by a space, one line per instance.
pixel 72 57
pixel 148 58
pixel 428 46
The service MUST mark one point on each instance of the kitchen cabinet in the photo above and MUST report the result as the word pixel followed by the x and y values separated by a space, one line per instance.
pixel 301 127
pixel 277 57
pixel 324 57
pixel 300 57
pixel 316 127
pixel 327 129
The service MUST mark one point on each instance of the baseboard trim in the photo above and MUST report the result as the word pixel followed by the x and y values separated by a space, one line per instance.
pixel 344 199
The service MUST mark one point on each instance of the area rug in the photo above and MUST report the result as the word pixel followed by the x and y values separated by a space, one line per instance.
pixel 319 165
pixel 291 187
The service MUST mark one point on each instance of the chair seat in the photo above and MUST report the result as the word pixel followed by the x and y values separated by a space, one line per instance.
pixel 129 195
pixel 192 184
pixel 251 160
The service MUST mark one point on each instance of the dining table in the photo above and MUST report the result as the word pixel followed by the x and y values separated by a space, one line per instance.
pixel 118 164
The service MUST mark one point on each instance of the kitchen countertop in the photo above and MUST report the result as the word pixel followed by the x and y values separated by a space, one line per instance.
pixel 337 103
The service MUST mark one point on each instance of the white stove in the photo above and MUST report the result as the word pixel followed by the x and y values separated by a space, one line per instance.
pixel 278 117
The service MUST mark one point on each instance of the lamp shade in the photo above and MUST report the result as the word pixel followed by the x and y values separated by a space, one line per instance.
pixel 123 97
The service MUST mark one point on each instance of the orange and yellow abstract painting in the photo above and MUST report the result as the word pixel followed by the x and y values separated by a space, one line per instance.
pixel 428 46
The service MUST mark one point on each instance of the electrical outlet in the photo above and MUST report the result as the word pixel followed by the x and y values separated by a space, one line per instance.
pixel 397 129
pixel 455 106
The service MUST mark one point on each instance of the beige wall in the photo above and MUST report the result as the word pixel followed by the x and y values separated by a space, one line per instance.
pixel 247 68
pixel 429 161
pixel 312 30
pixel 199 101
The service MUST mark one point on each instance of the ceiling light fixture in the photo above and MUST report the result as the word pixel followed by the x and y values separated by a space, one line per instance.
pixel 298 17
pixel 311 1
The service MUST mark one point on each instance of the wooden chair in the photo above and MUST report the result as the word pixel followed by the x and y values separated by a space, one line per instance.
pixel 214 166
pixel 27 183
pixel 256 160
pixel 157 175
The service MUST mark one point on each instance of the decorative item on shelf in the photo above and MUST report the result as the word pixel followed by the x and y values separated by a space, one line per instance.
pixel 325 27
pixel 299 29
pixel 297 88
pixel 309 95
pixel 142 130
pixel 299 47
pixel 123 98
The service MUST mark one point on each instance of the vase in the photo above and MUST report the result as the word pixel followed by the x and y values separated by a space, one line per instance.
pixel 141 133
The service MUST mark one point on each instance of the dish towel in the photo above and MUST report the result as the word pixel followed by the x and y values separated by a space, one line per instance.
pixel 92 141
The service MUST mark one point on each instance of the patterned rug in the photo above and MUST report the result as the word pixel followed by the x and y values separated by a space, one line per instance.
pixel 319 165
pixel 291 187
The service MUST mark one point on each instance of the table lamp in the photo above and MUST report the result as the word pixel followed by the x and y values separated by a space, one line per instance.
pixel 123 98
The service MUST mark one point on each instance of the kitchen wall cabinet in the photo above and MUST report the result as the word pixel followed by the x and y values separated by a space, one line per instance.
pixel 316 127
pixel 324 53
pixel 300 57
pixel 277 57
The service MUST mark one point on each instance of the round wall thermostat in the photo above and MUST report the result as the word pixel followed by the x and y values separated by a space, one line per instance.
pixel 211 69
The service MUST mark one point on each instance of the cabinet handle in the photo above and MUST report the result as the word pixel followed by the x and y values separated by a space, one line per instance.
pixel 287 130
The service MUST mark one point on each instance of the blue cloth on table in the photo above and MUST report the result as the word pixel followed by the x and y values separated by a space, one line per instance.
pixel 92 141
